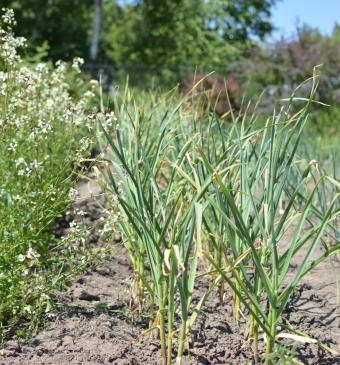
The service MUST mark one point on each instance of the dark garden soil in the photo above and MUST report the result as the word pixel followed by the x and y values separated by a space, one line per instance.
pixel 93 324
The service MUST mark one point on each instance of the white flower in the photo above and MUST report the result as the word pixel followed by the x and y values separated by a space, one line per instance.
pixel 68 114
pixel 77 62
pixel 30 253
pixel 72 195
pixel 73 224
pixel 92 116
pixel 41 67
pixel 28 309
pixel 110 116
pixel 20 161
pixel 27 172
pixel 12 146
pixel 89 94
pixel 35 164
pixel 44 126
pixel 8 17
pixel 21 258
pixel 61 67
pixel 93 84
pixel 23 78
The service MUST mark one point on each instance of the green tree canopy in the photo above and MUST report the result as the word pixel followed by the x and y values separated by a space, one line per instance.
pixel 64 24
pixel 146 32
pixel 184 32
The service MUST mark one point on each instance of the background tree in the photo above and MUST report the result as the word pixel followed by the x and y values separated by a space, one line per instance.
pixel 144 32
pixel 96 29
pixel 288 62
pixel 66 25
pixel 184 32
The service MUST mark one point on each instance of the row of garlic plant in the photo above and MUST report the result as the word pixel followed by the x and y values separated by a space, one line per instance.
pixel 193 189
pixel 163 214
pixel 253 220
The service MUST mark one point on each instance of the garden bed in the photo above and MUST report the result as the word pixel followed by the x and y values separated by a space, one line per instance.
pixel 93 323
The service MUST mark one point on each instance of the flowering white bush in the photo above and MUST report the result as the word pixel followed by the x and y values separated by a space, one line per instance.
pixel 44 141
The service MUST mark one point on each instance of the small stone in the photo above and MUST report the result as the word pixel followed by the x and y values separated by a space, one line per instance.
pixel 89 297
pixel 118 238
pixel 104 271
pixel 13 346
pixel 153 348
pixel 41 350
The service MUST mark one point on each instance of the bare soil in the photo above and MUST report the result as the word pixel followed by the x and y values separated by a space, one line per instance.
pixel 93 324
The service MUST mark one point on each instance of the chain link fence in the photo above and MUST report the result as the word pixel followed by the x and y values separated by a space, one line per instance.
pixel 236 77
pixel 144 77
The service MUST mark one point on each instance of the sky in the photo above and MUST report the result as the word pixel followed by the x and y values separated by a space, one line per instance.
pixel 321 14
